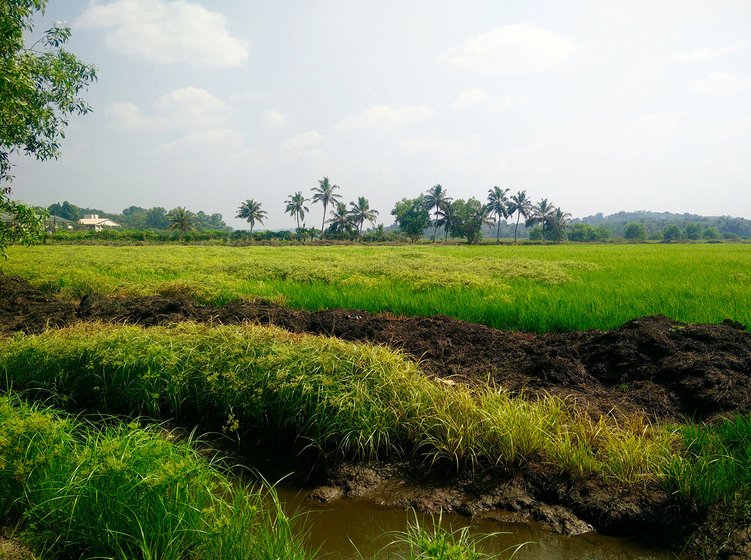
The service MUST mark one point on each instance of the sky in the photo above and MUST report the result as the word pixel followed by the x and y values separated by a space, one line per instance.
pixel 598 106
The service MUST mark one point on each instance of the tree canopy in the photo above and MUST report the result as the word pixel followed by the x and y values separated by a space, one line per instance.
pixel 40 88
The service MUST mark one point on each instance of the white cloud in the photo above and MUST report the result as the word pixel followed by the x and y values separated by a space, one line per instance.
pixel 129 116
pixel 187 108
pixel 386 117
pixel 274 119
pixel 506 102
pixel 192 107
pixel 203 139
pixel 470 98
pixel 304 141
pixel 478 97
pixel 511 50
pixel 701 55
pixel 167 31
pixel 721 83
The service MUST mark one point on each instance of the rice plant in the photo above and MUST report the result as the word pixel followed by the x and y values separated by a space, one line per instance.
pixel 530 288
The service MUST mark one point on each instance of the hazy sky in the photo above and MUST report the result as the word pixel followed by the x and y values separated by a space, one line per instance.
pixel 597 105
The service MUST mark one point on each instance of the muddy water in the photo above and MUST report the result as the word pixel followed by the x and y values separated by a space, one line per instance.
pixel 358 529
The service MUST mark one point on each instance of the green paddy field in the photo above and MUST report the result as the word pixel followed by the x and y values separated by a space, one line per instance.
pixel 530 288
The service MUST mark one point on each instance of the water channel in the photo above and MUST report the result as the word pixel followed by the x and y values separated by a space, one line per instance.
pixel 350 529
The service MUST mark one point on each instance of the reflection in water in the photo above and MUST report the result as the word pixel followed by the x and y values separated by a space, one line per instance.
pixel 344 527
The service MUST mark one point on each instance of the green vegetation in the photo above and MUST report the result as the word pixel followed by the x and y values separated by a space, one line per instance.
pixel 123 491
pixel 532 288
pixel 250 210
pixel 716 464
pixel 354 400
pixel 40 90
pixel 435 542
pixel 361 401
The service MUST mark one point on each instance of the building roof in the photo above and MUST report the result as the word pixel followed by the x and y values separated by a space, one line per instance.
pixel 98 222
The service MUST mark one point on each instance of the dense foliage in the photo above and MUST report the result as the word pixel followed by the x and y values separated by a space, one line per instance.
pixel 40 89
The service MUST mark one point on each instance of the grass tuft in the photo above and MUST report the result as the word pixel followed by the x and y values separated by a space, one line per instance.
pixel 123 491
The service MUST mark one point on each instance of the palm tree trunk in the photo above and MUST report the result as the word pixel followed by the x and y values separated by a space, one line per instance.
pixel 518 216
pixel 543 229
pixel 435 223
pixel 323 221
pixel 498 232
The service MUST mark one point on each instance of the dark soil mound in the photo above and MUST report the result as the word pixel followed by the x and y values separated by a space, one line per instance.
pixel 23 308
pixel 653 365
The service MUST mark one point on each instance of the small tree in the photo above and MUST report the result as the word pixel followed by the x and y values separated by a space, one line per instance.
pixel 181 220
pixel 498 205
pixel 471 216
pixel 251 212
pixel 412 216
pixel 362 212
pixel 541 213
pixel 694 231
pixel 672 233
pixel 635 231
pixel 711 233
pixel 324 193
pixel 522 206
pixel 558 224
pixel 296 206
pixel 342 223
pixel 436 200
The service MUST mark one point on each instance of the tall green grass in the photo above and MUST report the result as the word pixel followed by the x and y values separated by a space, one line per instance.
pixel 532 288
pixel 128 492
pixel 716 463
pixel 354 400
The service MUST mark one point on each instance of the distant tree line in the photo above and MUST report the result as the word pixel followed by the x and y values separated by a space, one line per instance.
pixel 470 219
pixel 137 218
pixel 432 215
pixel 344 223
pixel 667 226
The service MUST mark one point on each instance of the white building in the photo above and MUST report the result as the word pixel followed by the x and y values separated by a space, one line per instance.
pixel 93 221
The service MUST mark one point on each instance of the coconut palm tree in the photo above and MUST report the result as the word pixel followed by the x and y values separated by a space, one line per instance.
pixel 498 204
pixel 341 220
pixel 447 219
pixel 541 212
pixel 251 212
pixel 360 212
pixel 522 206
pixel 559 222
pixel 436 199
pixel 324 193
pixel 296 206
pixel 181 220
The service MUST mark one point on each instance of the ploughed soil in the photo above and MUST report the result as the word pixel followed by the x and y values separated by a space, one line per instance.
pixel 663 369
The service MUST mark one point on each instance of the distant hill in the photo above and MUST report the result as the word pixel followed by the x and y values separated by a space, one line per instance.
pixel 655 222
